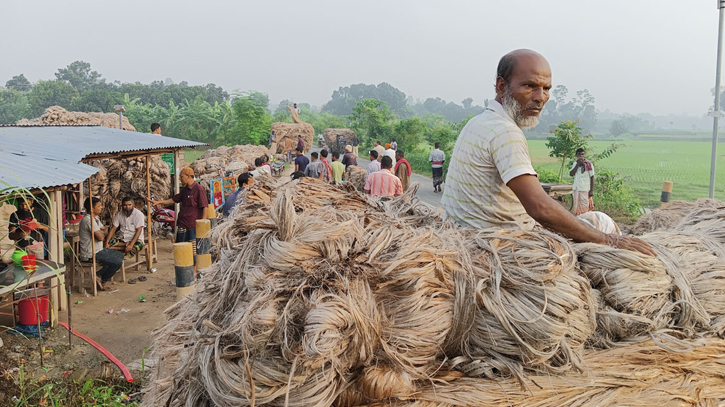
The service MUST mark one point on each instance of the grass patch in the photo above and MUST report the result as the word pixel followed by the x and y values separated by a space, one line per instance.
pixel 645 164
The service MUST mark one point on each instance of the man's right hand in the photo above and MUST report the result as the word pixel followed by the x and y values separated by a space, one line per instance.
pixel 630 243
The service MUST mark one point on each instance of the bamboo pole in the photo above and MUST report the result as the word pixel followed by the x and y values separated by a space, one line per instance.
pixel 149 242
pixel 93 240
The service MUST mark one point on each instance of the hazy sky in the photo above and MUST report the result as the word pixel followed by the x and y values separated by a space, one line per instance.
pixel 633 55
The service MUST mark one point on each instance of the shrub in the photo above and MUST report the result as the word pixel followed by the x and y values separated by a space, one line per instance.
pixel 612 196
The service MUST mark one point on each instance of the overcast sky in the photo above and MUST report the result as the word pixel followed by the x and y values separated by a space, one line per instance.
pixel 633 55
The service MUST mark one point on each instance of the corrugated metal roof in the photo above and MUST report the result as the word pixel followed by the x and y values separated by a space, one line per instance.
pixel 73 143
pixel 18 172
pixel 47 156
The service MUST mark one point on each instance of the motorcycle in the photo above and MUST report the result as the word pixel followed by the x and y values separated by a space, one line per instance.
pixel 164 222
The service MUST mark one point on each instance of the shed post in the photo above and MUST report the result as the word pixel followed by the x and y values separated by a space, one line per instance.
pixel 149 242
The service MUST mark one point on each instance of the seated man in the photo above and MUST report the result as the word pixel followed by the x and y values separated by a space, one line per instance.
pixel 27 224
pixel 111 260
pixel 261 168
pixel 130 221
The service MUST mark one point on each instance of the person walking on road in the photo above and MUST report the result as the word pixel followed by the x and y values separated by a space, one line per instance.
pixel 355 144
pixel 583 173
pixel 384 182
pixel 338 170
pixel 402 169
pixel 374 165
pixel 436 158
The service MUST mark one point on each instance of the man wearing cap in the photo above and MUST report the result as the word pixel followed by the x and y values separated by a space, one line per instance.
pixel 193 206
pixel 349 158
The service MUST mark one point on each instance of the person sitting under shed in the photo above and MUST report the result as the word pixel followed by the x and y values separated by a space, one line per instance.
pixel 28 223
pixel 110 260
pixel 130 223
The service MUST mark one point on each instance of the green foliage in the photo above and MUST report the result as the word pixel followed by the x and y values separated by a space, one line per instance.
pixel 606 153
pixel 450 111
pixel 408 133
pixel 19 83
pixel 613 197
pixel 372 120
pixel 546 175
pixel 562 108
pixel 14 106
pixel 566 140
pixel 345 99
pixel 50 93
pixel 252 122
pixel 79 75
pixel 98 98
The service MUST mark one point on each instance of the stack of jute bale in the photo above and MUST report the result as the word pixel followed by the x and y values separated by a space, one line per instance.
pixel 331 136
pixel 324 296
pixel 224 160
pixel 58 115
pixel 120 178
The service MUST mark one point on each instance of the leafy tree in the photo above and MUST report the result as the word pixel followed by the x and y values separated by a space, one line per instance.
pixel 19 83
pixel 251 121
pixel 344 99
pixel 618 127
pixel 372 120
pixel 13 106
pixel 98 98
pixel 566 140
pixel 560 108
pixel 409 132
pixel 50 93
pixel 79 75
pixel 451 111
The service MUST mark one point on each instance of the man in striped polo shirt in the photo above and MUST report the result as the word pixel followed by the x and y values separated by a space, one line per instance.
pixel 384 182
pixel 491 182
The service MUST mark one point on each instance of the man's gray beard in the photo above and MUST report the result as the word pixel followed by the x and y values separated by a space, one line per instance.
pixel 514 109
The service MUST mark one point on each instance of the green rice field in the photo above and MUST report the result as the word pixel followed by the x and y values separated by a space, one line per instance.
pixel 645 164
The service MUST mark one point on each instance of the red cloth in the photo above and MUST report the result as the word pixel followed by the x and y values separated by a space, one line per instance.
pixel 588 166
pixel 407 165
pixel 329 169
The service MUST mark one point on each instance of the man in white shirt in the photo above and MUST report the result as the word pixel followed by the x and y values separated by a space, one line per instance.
pixel 436 158
pixel 491 182
pixel 111 260
pixel 130 222
pixel 389 152
pixel 583 188
pixel 374 165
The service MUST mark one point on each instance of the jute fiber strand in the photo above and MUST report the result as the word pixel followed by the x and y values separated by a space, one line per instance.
pixel 670 214
pixel 640 374
pixel 324 296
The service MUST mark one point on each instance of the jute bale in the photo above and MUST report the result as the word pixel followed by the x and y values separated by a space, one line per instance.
pixel 356 177
pixel 331 136
pixel 58 115
pixel 671 214
pixel 286 136
pixel 326 296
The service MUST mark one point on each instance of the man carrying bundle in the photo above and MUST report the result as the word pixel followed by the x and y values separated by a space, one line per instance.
pixel 491 182
pixel 193 206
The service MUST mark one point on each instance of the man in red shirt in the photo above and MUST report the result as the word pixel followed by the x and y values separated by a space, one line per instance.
pixel 193 206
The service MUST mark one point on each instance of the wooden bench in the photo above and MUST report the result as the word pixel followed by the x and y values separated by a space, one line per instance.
pixel 87 268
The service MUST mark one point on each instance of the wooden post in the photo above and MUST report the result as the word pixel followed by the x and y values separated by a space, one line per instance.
pixel 177 189
pixel 203 244
pixel 666 192
pixel 149 242
pixel 184 269
pixel 93 241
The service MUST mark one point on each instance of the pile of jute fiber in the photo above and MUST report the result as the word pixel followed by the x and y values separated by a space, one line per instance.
pixel 127 177
pixel 57 115
pixel 324 296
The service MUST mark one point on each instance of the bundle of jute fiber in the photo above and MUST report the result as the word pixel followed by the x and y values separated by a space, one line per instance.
pixel 670 214
pixel 641 374
pixel 331 136
pixel 655 296
pixel 58 115
pixel 127 177
pixel 356 177
pixel 286 135
pixel 225 160
pixel 325 296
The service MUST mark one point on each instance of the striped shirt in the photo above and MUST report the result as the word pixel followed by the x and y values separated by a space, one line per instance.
pixel 383 183
pixel 374 166
pixel 490 151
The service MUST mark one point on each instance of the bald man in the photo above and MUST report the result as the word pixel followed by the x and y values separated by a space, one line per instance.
pixel 491 182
